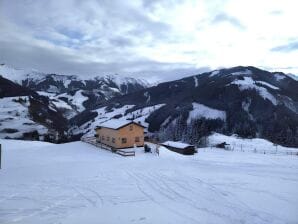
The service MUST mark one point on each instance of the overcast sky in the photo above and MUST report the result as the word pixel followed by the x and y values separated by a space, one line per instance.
pixel 157 40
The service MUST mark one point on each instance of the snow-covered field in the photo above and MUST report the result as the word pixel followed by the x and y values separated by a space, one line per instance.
pixel 254 145
pixel 78 183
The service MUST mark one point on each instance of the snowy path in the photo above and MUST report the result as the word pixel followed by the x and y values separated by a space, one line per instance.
pixel 76 183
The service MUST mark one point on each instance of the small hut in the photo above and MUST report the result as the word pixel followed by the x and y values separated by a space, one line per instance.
pixel 179 147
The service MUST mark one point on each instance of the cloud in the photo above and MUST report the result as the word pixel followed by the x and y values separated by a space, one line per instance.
pixel 276 12
pixel 223 17
pixel 293 46
pixel 159 39
pixel 45 58
pixel 121 42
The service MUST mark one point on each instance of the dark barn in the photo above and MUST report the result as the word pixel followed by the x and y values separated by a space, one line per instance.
pixel 180 147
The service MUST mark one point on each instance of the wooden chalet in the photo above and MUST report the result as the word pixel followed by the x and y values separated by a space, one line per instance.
pixel 120 133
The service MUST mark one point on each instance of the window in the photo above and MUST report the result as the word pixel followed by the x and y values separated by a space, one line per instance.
pixel 123 140
pixel 103 137
pixel 113 140
pixel 131 127
pixel 137 139
pixel 108 138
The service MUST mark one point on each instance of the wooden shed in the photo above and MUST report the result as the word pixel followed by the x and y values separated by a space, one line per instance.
pixel 120 133
pixel 180 147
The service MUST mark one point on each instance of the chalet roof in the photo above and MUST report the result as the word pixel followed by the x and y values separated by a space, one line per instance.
pixel 178 145
pixel 117 123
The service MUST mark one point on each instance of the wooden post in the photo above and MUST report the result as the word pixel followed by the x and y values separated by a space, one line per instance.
pixel 0 155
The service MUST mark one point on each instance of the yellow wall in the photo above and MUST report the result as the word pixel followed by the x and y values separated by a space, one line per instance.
pixel 124 132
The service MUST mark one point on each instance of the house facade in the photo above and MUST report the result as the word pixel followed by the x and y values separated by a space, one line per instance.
pixel 120 134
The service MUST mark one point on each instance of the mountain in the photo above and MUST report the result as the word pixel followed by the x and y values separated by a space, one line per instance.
pixel 246 101
pixel 50 100
pixel 26 115
pixel 55 83
pixel 293 76
pixel 78 94
pixel 9 89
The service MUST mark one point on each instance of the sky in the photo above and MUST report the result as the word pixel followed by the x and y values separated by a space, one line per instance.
pixel 155 40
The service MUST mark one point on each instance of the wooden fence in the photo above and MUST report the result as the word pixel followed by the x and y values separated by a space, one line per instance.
pixel 254 149
pixel 122 152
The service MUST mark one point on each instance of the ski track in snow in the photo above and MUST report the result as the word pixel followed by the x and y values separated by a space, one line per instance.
pixel 76 182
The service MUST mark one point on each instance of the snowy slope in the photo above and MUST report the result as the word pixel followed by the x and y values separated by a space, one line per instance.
pixel 140 115
pixel 122 81
pixel 78 100
pixel 15 119
pixel 78 183
pixel 70 107
pixel 202 111
pixel 18 75
pixel 249 83
pixel 102 116
pixel 126 112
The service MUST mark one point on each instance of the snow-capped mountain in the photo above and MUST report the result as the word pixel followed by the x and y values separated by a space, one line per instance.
pixel 58 97
pixel 246 101
pixel 293 76
pixel 71 93
pixel 55 83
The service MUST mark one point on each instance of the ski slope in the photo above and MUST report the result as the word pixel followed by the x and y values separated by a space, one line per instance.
pixel 79 183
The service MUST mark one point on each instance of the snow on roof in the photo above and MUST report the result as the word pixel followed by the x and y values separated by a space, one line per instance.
pixel 116 123
pixel 179 145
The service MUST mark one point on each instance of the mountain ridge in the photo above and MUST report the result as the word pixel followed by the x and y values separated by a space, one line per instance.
pixel 242 100
pixel 18 75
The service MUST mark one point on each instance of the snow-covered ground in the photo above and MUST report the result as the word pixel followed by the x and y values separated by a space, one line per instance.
pixel 79 183
pixel 254 145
